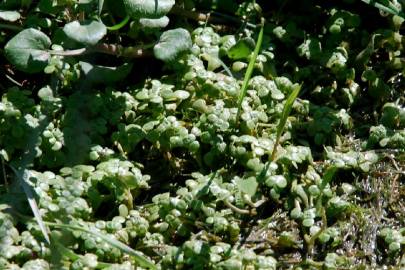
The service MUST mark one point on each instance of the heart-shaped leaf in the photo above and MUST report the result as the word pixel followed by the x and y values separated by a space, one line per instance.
pixel 242 49
pixel 148 8
pixel 27 51
pixel 248 185
pixel 10 16
pixel 88 34
pixel 172 43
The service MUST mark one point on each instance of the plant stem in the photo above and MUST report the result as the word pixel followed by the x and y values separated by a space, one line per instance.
pixel 118 50
pixel 215 17
pixel 197 16
pixel 3 169
pixel 238 210
pixel 80 51
pixel 10 27
pixel 118 26
pixel 112 49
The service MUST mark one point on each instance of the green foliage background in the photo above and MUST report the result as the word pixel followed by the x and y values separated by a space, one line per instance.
pixel 202 134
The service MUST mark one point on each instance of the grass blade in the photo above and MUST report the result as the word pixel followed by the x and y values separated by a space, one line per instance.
pixel 68 253
pixel 100 6
pixel 249 71
pixel 139 257
pixel 286 112
pixel 23 179
pixel 23 174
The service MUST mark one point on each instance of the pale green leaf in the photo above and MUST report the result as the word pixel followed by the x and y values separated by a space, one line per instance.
pixel 242 49
pixel 28 50
pixel 100 6
pixel 148 8
pixel 88 34
pixel 248 185
pixel 154 23
pixel 172 43
pixel 10 16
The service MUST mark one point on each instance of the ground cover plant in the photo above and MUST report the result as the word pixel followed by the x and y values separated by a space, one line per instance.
pixel 202 134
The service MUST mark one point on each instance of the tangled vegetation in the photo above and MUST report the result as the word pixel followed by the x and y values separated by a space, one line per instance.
pixel 202 134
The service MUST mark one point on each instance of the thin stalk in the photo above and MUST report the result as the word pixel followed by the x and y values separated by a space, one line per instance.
pixel 112 49
pixel 236 209
pixel 3 169
pixel 227 70
pixel 80 51
pixel 249 71
pixel 310 240
pixel 10 27
pixel 233 19
pixel 214 17
pixel 118 26
pixel 12 80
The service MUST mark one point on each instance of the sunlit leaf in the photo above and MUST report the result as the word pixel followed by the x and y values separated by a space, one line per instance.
pixel 148 8
pixel 10 16
pixel 154 23
pixel 172 43
pixel 27 51
pixel 248 185
pixel 88 33
pixel 242 49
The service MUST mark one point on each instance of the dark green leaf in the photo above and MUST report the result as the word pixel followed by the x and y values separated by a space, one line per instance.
pixel 104 75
